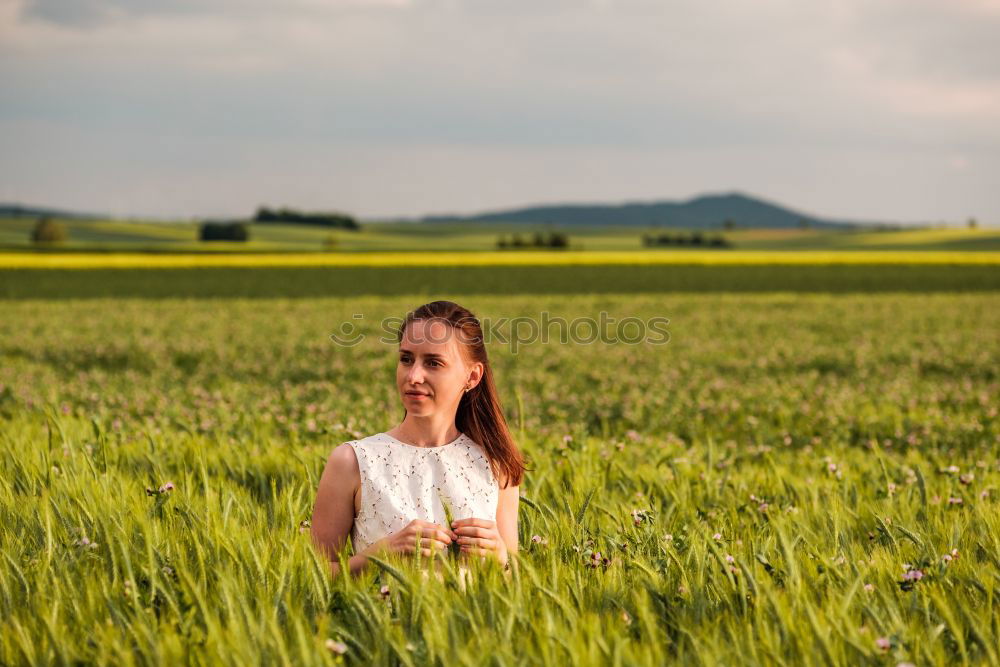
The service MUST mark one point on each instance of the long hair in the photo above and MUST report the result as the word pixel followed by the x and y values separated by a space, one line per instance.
pixel 480 415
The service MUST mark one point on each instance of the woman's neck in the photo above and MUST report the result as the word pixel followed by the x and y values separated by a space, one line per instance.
pixel 425 431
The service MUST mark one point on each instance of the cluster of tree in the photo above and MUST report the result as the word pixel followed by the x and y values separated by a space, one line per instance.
pixel 343 220
pixel 539 240
pixel 694 239
pixel 224 231
pixel 729 224
pixel 47 230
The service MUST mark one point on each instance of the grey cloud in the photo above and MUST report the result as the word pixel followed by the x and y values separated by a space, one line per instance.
pixel 90 13
pixel 942 38
pixel 929 38
pixel 633 84
pixel 81 14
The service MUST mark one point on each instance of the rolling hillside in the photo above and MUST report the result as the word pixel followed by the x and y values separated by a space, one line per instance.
pixel 705 212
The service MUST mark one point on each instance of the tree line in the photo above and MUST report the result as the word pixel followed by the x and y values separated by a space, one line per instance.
pixel 538 240
pixel 331 219
pixel 239 230
pixel 681 239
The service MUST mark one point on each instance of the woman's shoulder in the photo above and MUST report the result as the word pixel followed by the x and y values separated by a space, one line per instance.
pixel 363 449
pixel 344 453
pixel 343 463
pixel 373 440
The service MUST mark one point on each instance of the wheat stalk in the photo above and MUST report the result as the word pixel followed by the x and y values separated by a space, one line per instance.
pixel 454 548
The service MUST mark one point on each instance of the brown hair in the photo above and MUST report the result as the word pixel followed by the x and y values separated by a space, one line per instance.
pixel 480 415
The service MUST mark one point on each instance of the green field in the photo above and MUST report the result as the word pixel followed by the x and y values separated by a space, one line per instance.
pixel 756 487
pixel 271 282
pixel 471 236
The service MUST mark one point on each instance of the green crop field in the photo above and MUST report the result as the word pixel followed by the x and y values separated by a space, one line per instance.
pixel 271 275
pixel 787 478
pixel 468 236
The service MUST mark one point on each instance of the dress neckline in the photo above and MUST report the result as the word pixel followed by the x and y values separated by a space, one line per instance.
pixel 447 444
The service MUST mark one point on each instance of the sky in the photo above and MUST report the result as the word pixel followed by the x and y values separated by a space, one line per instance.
pixel 884 110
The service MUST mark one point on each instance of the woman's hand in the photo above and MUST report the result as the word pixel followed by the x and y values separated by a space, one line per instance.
pixel 433 538
pixel 480 537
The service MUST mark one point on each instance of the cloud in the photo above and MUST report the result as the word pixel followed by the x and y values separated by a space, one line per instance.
pixel 464 78
pixel 90 13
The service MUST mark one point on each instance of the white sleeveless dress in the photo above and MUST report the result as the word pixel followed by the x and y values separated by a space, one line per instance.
pixel 401 482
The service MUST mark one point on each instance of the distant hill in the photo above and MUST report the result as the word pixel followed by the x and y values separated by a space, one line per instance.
pixel 705 212
pixel 18 211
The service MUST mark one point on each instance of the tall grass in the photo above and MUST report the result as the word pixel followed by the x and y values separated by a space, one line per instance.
pixel 752 492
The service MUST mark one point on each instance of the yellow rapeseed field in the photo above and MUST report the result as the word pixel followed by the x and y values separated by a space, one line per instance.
pixel 490 258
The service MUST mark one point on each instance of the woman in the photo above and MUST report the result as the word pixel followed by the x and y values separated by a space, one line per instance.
pixel 453 446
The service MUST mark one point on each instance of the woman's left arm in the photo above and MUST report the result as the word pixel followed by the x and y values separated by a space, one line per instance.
pixel 507 518
pixel 498 538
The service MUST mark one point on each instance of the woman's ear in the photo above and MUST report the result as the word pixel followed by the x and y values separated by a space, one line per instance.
pixel 477 373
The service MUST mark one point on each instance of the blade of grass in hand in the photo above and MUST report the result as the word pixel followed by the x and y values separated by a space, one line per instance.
pixel 454 548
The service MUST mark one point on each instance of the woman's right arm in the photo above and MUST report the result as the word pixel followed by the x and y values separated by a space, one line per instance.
pixel 333 513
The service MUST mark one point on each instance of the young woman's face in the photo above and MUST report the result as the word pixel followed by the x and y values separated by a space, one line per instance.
pixel 431 374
